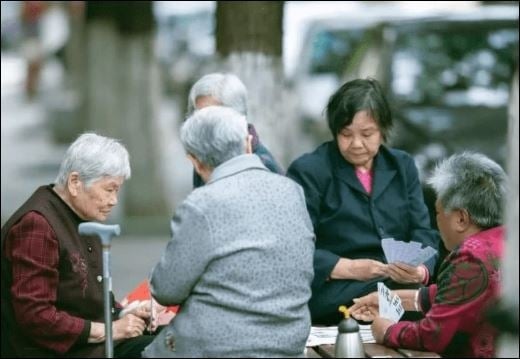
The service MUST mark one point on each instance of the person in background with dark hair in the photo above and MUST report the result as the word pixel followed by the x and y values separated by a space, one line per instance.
pixel 359 191
pixel 471 189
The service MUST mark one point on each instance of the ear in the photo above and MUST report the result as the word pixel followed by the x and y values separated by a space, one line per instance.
pixel 203 171
pixel 74 183
pixel 249 144
pixel 462 220
pixel 195 162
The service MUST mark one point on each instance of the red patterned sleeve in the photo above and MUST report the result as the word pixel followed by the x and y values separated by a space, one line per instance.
pixel 32 248
pixel 457 297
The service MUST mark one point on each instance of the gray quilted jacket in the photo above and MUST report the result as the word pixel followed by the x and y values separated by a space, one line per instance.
pixel 240 264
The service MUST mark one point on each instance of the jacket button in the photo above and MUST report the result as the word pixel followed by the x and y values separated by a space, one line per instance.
pixel 89 249
pixel 99 278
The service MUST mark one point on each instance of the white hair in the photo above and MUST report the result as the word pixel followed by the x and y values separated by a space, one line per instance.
pixel 94 157
pixel 225 88
pixel 473 182
pixel 214 135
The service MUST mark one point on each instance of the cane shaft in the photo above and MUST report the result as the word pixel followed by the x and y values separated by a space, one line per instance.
pixel 107 288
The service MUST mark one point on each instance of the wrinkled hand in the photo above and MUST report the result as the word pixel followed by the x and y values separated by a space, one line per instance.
pixel 161 315
pixel 406 274
pixel 365 269
pixel 379 328
pixel 365 308
pixel 130 325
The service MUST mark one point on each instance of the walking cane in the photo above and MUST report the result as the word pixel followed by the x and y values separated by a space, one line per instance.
pixel 105 232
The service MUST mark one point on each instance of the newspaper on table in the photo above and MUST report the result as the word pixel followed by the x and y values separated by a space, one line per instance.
pixel 410 253
pixel 327 335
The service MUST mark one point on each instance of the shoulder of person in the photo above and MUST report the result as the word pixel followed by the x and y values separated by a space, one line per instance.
pixel 400 156
pixel 463 278
pixel 402 160
pixel 313 162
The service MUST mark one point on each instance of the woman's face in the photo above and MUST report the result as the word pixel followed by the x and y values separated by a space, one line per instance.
pixel 446 222
pixel 359 142
pixel 94 203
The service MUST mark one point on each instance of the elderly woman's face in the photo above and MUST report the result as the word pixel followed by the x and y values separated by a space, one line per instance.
pixel 359 142
pixel 446 222
pixel 94 203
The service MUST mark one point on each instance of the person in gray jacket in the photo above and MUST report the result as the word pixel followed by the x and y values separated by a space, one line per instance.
pixel 240 259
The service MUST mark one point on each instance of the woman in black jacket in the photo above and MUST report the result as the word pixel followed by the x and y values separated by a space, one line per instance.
pixel 359 191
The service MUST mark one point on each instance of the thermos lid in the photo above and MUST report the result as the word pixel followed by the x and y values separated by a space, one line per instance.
pixel 348 324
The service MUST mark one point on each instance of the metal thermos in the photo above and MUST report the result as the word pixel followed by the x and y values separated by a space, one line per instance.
pixel 348 341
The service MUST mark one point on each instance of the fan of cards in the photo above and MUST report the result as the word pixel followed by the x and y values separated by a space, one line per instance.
pixel 410 253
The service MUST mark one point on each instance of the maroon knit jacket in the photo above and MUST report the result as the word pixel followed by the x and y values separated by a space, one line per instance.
pixel 79 292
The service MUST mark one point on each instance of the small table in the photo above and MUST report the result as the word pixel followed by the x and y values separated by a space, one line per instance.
pixel 372 350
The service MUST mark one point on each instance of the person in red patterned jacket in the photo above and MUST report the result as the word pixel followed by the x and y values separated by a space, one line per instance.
pixel 470 192
pixel 52 290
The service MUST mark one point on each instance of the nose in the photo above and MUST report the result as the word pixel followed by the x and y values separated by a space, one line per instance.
pixel 357 141
pixel 112 200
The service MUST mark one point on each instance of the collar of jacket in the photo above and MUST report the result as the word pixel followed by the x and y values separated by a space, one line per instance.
pixel 235 165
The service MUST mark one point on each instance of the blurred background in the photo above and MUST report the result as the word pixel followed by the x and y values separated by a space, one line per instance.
pixel 124 70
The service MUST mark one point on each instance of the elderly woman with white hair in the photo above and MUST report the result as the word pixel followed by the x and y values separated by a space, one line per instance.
pixel 52 295
pixel 225 89
pixel 240 257
pixel 470 189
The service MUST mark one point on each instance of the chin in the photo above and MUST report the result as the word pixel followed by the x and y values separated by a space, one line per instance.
pixel 102 217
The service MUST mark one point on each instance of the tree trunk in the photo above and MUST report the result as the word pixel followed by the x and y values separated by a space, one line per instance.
pixel 249 26
pixel 249 41
pixel 122 95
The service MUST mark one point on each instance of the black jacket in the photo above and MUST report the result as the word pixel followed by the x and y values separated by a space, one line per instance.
pixel 350 223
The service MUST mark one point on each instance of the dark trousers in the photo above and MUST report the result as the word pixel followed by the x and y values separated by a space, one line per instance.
pixel 133 347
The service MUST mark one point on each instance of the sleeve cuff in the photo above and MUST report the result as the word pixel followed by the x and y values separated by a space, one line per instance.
pixel 83 337
pixel 424 299
pixel 426 279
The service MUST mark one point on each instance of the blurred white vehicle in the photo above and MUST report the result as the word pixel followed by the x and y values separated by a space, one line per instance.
pixel 321 39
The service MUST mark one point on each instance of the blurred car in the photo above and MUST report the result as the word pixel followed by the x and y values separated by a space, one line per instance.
pixel 332 37
pixel 447 80
pixel 329 46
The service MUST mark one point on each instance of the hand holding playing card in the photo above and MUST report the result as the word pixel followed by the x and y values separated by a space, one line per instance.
pixel 404 273
pixel 410 253
pixel 379 328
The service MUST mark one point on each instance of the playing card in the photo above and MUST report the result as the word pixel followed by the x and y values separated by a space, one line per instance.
pixel 390 306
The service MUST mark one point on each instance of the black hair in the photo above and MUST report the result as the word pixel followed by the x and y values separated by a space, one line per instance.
pixel 354 96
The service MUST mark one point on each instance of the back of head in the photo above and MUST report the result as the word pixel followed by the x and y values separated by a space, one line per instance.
pixel 473 182
pixel 354 96
pixel 214 135
pixel 94 157
pixel 225 88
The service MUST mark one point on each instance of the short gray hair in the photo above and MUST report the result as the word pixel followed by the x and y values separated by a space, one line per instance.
pixel 214 135
pixel 473 182
pixel 94 157
pixel 226 88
